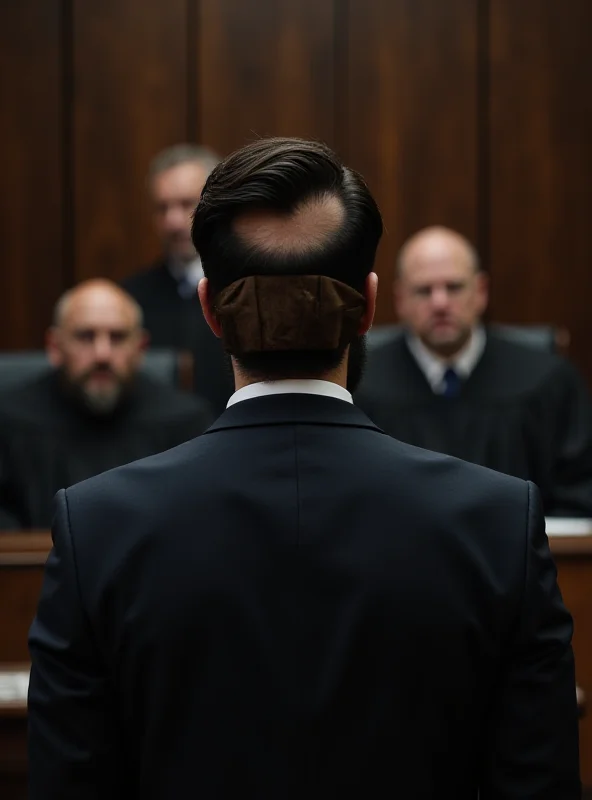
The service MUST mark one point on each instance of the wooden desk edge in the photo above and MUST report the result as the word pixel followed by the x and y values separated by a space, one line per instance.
pixel 24 548
pixel 571 545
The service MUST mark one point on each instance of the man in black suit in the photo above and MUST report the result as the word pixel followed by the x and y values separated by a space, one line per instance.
pixel 451 384
pixel 167 291
pixel 296 605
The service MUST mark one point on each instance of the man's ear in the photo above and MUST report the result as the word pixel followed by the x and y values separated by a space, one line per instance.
pixel 143 344
pixel 144 340
pixel 53 350
pixel 370 291
pixel 204 299
pixel 482 292
pixel 399 298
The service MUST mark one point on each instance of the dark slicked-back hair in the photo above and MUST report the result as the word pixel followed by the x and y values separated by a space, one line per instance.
pixel 282 175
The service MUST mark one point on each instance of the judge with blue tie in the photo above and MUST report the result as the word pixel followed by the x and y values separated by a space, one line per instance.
pixel 449 383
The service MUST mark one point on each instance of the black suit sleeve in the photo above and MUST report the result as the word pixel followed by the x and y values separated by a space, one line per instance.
pixel 74 741
pixel 532 752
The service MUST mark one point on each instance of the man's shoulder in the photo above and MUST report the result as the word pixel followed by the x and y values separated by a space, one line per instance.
pixel 135 491
pixel 444 472
pixel 527 365
pixel 28 402
pixel 157 401
pixel 146 280
pixel 387 350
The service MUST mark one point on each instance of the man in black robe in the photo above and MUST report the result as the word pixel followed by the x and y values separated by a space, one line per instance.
pixel 451 385
pixel 167 291
pixel 93 411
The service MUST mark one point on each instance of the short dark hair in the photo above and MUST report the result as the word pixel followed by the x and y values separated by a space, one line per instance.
pixel 282 174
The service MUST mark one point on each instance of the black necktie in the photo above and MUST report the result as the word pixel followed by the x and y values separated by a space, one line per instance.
pixel 451 383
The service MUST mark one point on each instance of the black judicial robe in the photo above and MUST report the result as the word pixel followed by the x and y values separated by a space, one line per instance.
pixel 177 322
pixel 522 411
pixel 48 442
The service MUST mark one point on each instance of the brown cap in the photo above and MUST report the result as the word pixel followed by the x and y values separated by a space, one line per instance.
pixel 263 313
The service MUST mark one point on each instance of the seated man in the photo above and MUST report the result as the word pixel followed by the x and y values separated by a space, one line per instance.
pixel 167 291
pixel 451 385
pixel 92 411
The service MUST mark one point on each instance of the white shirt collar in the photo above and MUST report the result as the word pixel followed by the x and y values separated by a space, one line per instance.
pixel 192 271
pixel 262 389
pixel 434 367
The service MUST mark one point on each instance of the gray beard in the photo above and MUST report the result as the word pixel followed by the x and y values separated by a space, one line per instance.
pixel 102 404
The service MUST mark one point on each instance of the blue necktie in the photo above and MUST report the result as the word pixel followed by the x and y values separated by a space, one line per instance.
pixel 451 383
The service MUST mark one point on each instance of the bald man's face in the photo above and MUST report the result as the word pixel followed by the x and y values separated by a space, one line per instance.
pixel 175 194
pixel 98 347
pixel 439 296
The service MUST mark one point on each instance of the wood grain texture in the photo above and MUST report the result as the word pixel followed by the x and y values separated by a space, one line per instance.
pixel 31 199
pixel 130 101
pixel 264 69
pixel 541 166
pixel 410 119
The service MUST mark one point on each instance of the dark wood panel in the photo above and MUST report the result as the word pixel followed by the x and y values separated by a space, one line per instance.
pixel 13 754
pixel 30 164
pixel 130 81
pixel 541 165
pixel 410 119
pixel 264 69
pixel 20 587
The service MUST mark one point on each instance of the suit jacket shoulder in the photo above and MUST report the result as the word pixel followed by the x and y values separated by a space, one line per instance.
pixel 526 368
pixel 147 285
pixel 157 401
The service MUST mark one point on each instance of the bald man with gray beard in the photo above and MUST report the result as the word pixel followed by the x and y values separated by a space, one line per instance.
pixel 92 410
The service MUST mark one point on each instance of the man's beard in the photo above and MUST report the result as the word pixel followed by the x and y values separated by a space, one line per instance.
pixel 356 363
pixel 102 403
pixel 98 403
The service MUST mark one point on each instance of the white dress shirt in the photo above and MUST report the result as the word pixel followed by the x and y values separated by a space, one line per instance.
pixel 296 386
pixel 189 274
pixel 434 367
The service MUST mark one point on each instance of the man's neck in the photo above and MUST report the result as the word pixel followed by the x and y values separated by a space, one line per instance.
pixel 337 376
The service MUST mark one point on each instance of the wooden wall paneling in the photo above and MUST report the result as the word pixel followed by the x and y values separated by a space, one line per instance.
pixel 541 166
pixel 130 100
pixel 410 123
pixel 20 586
pixel 31 199
pixel 264 68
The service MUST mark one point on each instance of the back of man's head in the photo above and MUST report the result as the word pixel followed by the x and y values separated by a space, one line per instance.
pixel 294 233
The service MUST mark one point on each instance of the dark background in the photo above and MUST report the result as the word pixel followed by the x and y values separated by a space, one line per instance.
pixel 476 114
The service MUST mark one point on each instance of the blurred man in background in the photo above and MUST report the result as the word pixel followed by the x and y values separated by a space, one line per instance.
pixel 92 411
pixel 450 384
pixel 167 292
